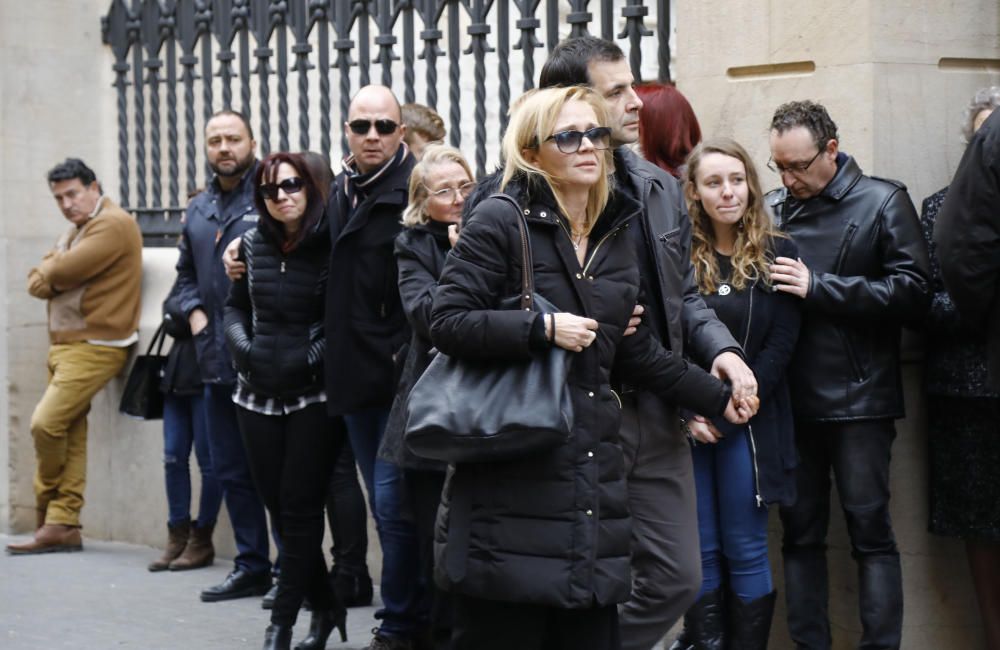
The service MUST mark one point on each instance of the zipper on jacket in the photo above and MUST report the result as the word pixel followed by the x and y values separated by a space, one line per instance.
pixel 282 266
pixel 842 254
pixel 593 252
pixel 753 443
pixel 851 356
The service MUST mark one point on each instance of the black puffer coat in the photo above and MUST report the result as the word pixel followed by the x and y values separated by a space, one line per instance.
pixel 420 255
pixel 869 274
pixel 274 315
pixel 552 528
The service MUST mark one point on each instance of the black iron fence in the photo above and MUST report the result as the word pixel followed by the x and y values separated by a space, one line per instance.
pixel 208 49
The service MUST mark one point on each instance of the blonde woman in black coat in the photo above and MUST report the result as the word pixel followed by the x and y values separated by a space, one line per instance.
pixel 536 550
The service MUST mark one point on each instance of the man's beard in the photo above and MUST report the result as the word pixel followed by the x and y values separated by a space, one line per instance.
pixel 238 170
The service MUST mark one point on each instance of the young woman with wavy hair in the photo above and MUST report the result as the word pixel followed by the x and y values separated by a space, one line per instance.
pixel 739 469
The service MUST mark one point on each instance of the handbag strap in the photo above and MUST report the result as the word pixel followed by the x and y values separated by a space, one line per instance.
pixel 527 260
pixel 161 336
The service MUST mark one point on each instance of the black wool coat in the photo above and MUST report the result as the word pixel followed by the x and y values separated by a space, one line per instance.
pixel 274 314
pixel 365 324
pixel 552 528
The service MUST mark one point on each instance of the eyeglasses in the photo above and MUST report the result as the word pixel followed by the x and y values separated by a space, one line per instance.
pixel 794 168
pixel 289 185
pixel 383 127
pixel 570 141
pixel 449 194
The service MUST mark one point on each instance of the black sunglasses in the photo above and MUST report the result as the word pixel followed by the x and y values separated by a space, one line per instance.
pixel 289 185
pixel 383 127
pixel 570 141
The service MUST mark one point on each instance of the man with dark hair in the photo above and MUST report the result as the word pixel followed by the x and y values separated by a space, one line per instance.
pixel 666 560
pixel 863 272
pixel 91 280
pixel 224 211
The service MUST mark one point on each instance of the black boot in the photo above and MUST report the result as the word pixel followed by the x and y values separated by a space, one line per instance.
pixel 750 623
pixel 278 637
pixel 322 624
pixel 704 624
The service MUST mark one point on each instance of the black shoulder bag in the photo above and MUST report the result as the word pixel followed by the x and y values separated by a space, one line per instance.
pixel 466 411
pixel 142 397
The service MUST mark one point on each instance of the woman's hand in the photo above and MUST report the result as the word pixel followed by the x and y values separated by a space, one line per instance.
pixel 230 260
pixel 572 332
pixel 703 431
pixel 453 233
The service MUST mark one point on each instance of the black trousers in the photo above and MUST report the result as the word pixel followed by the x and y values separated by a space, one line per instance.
pixel 492 625
pixel 291 458
pixel 858 453
pixel 423 494
pixel 347 513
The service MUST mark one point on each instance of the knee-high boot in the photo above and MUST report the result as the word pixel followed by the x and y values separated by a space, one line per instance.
pixel 704 624
pixel 750 623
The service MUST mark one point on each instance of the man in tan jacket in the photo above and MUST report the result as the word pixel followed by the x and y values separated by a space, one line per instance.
pixel 91 281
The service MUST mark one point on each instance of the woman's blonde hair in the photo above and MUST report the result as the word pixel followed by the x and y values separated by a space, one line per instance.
pixel 532 121
pixel 755 232
pixel 415 213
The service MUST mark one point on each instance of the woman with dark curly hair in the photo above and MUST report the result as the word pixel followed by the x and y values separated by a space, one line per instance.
pixel 739 469
pixel 274 327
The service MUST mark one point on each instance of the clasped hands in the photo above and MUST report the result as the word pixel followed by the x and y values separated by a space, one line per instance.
pixel 743 404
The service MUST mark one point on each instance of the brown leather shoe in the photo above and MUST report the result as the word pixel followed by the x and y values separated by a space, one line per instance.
pixel 177 539
pixel 50 538
pixel 199 551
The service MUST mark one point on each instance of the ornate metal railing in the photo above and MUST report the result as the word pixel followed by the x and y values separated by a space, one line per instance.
pixel 161 47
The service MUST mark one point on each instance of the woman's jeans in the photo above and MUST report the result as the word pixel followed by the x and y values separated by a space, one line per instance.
pixel 732 527
pixel 400 587
pixel 185 426
pixel 291 458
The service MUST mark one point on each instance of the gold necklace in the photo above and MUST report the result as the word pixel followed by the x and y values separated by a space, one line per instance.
pixel 575 239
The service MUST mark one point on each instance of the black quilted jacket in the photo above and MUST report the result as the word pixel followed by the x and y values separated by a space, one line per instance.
pixel 274 314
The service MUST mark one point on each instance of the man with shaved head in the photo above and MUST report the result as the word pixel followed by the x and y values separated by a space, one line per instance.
pixel 365 328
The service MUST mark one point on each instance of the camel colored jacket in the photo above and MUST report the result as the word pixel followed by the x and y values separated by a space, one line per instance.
pixel 92 278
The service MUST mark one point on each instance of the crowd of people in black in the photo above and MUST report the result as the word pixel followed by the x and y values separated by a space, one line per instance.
pixel 730 349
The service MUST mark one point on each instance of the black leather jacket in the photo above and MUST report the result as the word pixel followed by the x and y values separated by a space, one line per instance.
pixel 869 274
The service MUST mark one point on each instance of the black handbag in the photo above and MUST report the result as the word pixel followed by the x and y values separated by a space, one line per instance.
pixel 142 397
pixel 465 411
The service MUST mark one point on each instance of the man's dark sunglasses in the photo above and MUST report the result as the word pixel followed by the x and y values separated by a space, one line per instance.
pixel 570 141
pixel 290 185
pixel 383 127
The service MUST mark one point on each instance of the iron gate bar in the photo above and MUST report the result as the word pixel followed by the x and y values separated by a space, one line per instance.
pixel 150 38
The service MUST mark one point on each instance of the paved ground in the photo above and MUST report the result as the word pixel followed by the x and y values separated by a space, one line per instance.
pixel 105 598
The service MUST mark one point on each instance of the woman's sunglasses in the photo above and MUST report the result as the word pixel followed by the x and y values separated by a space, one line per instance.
pixel 570 141
pixel 289 185
pixel 382 127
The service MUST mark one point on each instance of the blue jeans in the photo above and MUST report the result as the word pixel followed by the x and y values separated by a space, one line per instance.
pixel 400 585
pixel 246 512
pixel 184 427
pixel 732 527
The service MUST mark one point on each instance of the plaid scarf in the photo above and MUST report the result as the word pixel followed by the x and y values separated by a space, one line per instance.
pixel 357 185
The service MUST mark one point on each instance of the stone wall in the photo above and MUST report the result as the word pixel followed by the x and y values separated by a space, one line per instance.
pixel 895 77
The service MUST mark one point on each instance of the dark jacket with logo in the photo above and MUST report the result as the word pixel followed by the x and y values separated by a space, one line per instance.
pixel 869 274
pixel 767 331
pixel 274 315
pixel 365 323
pixel 551 528
pixel 213 219
pixel 968 238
